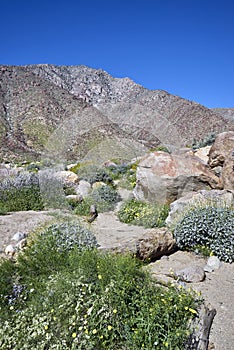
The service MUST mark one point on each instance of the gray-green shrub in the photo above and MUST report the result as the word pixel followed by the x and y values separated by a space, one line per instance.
pixel 208 226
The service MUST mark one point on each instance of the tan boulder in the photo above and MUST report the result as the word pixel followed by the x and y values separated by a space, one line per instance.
pixel 164 177
pixel 155 243
pixel 68 177
pixel 221 149
pixel 227 174
pixel 222 155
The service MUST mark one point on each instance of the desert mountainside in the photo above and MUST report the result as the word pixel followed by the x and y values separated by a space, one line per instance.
pixel 70 111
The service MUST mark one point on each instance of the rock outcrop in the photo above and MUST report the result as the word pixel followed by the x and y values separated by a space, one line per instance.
pixel 164 177
pixel 222 155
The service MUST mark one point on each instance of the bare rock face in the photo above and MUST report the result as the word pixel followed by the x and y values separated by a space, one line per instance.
pixel 222 155
pixel 221 149
pixel 227 175
pixel 155 243
pixel 164 177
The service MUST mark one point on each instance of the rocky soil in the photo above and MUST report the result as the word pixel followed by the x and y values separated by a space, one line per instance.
pixel 217 288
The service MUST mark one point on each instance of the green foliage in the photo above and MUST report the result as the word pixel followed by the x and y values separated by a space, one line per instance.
pixel 208 140
pixel 93 173
pixel 207 227
pixel 160 148
pixel 143 214
pixel 20 192
pixel 83 207
pixel 88 300
pixel 104 197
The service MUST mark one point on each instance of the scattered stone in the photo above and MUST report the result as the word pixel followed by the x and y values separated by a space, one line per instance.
pixel 155 243
pixel 18 236
pixel 10 250
pixel 21 244
pixel 68 177
pixel 76 198
pixel 213 263
pixel 83 189
pixel 190 274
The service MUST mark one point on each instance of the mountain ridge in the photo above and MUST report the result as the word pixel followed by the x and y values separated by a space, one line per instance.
pixel 45 104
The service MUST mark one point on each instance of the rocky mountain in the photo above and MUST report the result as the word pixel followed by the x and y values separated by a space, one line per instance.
pixel 76 112
pixel 227 113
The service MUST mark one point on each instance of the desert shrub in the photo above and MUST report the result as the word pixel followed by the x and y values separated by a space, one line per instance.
pixel 91 300
pixel 105 197
pixel 143 214
pixel 20 192
pixel 208 140
pixel 93 173
pixel 160 148
pixel 83 207
pixel 207 227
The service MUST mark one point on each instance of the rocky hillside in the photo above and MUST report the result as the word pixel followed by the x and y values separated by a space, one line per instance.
pixel 227 113
pixel 71 112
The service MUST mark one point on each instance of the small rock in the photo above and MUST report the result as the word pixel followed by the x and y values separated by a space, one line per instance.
pixel 213 263
pixel 21 244
pixel 18 236
pixel 10 250
pixel 155 243
pixel 191 274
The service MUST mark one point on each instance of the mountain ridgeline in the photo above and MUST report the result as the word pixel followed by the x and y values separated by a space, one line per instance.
pixel 76 112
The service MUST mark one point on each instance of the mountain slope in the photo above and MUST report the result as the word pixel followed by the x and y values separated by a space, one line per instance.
pixel 70 111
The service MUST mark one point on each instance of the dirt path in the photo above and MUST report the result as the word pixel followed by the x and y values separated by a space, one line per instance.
pixel 217 288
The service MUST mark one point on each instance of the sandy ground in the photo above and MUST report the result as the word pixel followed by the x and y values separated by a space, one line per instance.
pixel 217 289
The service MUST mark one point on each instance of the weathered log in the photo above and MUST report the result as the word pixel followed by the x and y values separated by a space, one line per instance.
pixel 199 339
pixel 93 212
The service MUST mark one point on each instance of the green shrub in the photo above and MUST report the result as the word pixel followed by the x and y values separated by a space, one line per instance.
pixel 160 148
pixel 210 227
pixel 91 300
pixel 208 140
pixel 104 197
pixel 143 214
pixel 21 192
pixel 93 173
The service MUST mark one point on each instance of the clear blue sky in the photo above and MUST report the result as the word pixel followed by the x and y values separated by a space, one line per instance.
pixel 183 47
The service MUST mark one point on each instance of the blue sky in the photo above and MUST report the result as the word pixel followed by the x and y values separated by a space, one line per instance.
pixel 183 47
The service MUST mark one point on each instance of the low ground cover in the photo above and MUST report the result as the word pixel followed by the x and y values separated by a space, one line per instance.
pixel 62 293
pixel 143 214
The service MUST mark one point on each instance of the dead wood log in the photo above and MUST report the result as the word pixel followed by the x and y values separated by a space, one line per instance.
pixel 201 325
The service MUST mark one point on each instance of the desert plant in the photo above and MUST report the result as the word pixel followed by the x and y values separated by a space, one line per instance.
pixel 208 140
pixel 144 214
pixel 209 226
pixel 105 197
pixel 21 192
pixel 91 300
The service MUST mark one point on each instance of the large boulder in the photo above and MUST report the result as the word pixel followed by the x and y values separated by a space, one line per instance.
pixel 221 149
pixel 164 177
pixel 221 155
